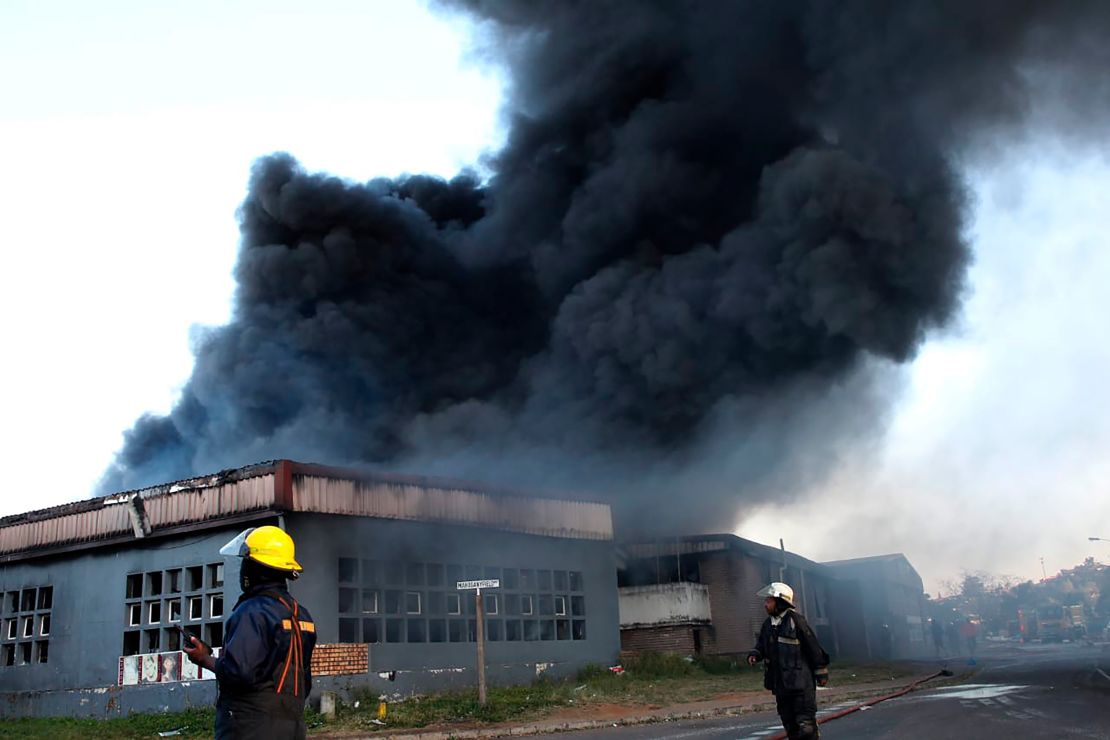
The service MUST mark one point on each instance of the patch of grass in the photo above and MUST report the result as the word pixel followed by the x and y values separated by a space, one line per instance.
pixel 194 723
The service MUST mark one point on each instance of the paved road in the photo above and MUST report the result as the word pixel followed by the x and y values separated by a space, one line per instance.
pixel 1033 692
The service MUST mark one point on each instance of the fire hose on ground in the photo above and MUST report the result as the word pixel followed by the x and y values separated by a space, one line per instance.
pixel 871 702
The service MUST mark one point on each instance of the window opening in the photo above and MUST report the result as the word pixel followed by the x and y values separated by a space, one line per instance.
pixel 560 606
pixel 348 570
pixel 173 610
pixel 543 580
pixel 526 607
pixel 134 586
pixel 454 604
pixel 46 597
pixel 194 577
pixel 154 612
pixel 216 575
pixel 173 581
pixel 216 606
pixel 28 600
pixel 414 574
pixel 154 584
pixel 575 580
pixel 412 602
pixel 347 598
pixel 369 602
pixel 196 606
pixel 28 626
pixel 560 580
pixel 25 652
pixel 490 604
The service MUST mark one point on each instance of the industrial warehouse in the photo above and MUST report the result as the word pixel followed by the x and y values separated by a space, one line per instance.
pixel 94 591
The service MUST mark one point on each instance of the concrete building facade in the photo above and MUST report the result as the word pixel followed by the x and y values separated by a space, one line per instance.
pixel 892 599
pixel 704 587
pixel 93 592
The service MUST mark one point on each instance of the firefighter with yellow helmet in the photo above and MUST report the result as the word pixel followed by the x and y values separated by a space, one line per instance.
pixel 795 664
pixel 263 673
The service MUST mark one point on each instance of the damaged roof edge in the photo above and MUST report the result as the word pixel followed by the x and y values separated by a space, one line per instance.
pixel 285 486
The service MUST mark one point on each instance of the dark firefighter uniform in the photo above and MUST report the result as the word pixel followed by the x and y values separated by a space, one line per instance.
pixel 794 662
pixel 264 671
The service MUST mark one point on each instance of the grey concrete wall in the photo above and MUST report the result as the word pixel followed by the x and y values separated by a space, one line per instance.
pixel 88 614
pixel 323 539
pixel 88 621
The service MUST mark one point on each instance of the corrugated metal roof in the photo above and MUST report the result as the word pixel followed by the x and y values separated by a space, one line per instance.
pixel 283 485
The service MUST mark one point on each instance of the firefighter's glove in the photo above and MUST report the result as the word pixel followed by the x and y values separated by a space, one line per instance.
pixel 821 677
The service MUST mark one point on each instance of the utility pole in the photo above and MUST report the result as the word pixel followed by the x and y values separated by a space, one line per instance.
pixel 1044 573
pixel 480 627
pixel 479 609
pixel 782 570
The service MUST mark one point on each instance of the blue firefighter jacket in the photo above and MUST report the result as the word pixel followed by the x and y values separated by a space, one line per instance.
pixel 257 654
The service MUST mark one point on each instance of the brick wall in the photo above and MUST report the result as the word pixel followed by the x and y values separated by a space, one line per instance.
pixel 340 659
pixel 663 639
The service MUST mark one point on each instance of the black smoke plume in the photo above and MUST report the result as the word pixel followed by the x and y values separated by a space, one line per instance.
pixel 706 216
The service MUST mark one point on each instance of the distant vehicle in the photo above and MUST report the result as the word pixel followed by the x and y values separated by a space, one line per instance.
pixel 1053 623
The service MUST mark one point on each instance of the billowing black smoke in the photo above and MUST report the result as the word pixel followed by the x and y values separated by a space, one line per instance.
pixel 706 214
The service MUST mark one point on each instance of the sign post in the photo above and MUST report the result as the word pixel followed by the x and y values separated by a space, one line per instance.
pixel 480 632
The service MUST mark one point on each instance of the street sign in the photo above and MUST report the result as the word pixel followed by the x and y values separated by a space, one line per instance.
pixel 470 585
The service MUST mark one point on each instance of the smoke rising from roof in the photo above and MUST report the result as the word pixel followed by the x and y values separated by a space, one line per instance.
pixel 707 222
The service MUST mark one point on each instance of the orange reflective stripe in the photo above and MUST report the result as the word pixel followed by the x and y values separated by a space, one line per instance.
pixel 305 626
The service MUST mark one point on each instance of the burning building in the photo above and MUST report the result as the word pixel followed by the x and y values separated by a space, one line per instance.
pixel 94 591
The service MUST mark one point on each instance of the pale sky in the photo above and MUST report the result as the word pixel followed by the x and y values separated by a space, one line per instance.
pixel 127 131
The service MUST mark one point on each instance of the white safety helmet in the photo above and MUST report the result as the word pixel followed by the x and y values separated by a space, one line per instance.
pixel 779 591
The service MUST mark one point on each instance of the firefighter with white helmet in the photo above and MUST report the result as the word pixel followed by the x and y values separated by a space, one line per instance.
pixel 263 673
pixel 795 664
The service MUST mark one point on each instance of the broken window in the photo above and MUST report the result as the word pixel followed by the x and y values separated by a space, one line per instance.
pixel 134 586
pixel 28 626
pixel 215 634
pixel 154 583
pixel 27 602
pixel 131 643
pixel 412 602
pixel 173 610
pixel 216 575
pixel 348 630
pixel 348 570
pixel 134 615
pixel 44 625
pixel 454 604
pixel 194 577
pixel 369 601
pixel 372 630
pixel 196 607
pixel 490 604
pixel 46 597
pixel 154 612
pixel 526 605
pixel 578 629
pixel 216 606
pixel 173 581
pixel 562 629
pixel 560 606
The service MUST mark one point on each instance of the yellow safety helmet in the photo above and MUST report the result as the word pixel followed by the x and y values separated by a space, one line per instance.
pixel 268 545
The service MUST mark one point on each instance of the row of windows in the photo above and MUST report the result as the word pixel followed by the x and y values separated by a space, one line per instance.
pixel 26 625
pixel 28 600
pixel 375 573
pixel 24 653
pixel 458 630
pixel 389 601
pixel 192 595
pixel 174 581
pixel 166 639
pixel 171 610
